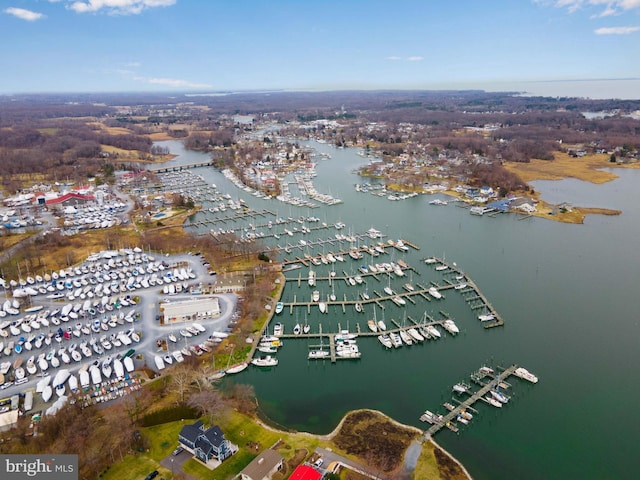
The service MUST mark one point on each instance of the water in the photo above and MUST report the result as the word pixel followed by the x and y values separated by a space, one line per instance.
pixel 567 294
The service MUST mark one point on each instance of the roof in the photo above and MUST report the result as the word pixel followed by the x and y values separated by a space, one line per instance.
pixel 70 196
pixel 215 436
pixel 305 472
pixel 192 432
pixel 262 465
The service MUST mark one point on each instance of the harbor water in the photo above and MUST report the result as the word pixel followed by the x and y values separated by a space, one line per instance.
pixel 567 293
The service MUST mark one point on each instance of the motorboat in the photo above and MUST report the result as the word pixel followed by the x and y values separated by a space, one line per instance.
pixel 279 307
pixel 450 326
pixel 265 361
pixel 372 325
pixel 159 362
pixel 385 340
pixel 525 375
pixel 433 291
pixel 318 354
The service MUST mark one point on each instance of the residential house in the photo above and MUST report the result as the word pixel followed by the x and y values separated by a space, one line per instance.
pixel 206 445
pixel 263 467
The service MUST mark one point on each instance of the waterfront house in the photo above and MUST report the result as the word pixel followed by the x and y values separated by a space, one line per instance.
pixel 263 467
pixel 206 445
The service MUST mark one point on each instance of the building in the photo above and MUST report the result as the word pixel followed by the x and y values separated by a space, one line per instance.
pixel 190 310
pixel 206 445
pixel 263 467
pixel 305 472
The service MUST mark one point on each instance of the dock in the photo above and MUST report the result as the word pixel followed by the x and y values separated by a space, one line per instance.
pixel 447 420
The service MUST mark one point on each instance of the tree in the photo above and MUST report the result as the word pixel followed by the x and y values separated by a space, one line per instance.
pixel 180 383
pixel 210 403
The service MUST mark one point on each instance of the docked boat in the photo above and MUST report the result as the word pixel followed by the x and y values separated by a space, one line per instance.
pixel 297 329
pixel 460 388
pixel 501 397
pixel 396 340
pixel 318 354
pixel 315 296
pixel 279 307
pixel 278 329
pixel 486 370
pixel 433 291
pixel 415 335
pixel 381 325
pixel 385 340
pixel 450 326
pixel 525 375
pixel 486 317
pixel 430 417
pixel 237 368
pixel 398 301
pixel 265 361
pixel 492 401
pixel 358 307
pixel 372 326
pixel 405 337
pixel 322 306
pixel 96 377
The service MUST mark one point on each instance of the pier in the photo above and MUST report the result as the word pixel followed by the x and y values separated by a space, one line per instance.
pixel 447 419
pixel 472 294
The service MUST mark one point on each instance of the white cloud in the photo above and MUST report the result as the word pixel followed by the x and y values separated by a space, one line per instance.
pixel 395 59
pixel 118 7
pixel 172 82
pixel 616 30
pixel 611 7
pixel 23 14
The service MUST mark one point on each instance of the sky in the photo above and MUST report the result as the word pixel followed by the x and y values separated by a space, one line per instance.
pixel 233 45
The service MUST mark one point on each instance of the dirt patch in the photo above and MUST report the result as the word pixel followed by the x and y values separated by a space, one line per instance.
pixel 380 442
pixel 449 469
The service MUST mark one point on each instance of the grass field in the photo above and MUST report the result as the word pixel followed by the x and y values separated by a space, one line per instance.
pixel 587 168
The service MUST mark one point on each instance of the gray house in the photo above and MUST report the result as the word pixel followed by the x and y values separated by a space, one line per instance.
pixel 206 444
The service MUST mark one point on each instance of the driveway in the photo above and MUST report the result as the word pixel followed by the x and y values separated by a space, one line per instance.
pixel 174 463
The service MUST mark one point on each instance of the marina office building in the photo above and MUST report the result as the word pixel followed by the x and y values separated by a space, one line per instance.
pixel 189 310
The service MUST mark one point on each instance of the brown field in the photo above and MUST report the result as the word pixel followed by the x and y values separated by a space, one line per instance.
pixel 160 136
pixel 112 130
pixel 587 168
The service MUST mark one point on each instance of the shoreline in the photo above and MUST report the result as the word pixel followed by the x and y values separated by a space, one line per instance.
pixel 332 434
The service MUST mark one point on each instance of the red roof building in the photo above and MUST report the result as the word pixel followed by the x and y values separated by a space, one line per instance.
pixel 305 472
pixel 70 197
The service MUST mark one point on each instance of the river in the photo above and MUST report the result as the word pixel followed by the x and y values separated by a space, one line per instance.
pixel 568 294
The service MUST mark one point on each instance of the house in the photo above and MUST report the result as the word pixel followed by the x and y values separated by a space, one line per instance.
pixel 263 467
pixel 206 445
pixel 305 472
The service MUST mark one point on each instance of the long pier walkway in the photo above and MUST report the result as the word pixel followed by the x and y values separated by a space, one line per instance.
pixel 447 419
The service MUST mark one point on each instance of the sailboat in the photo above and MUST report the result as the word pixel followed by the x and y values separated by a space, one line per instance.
pixel 332 296
pixel 306 328
pixel 373 324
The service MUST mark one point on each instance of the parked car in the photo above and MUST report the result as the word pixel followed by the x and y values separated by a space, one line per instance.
pixel 152 475
pixel 178 450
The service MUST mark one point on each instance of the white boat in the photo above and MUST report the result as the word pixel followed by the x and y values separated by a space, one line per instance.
pixel 279 307
pixel 315 296
pixel 433 332
pixel 396 340
pixel 47 392
pixel 415 335
pixel 61 377
pixel 398 301
pixel 265 361
pixel 405 337
pixel 323 307
pixel 460 388
pixel 106 369
pixel 486 317
pixel 381 325
pixel 73 383
pixel 178 356
pixel 128 364
pixel 318 354
pixel 433 291
pixel 385 340
pixel 525 375
pixel 237 368
pixel 96 377
pixel 84 378
pixel 159 362
pixel 450 326
pixel 492 401
pixel 297 329
pixel 372 325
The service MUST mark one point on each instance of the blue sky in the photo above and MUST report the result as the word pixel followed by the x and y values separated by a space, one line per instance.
pixel 212 45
